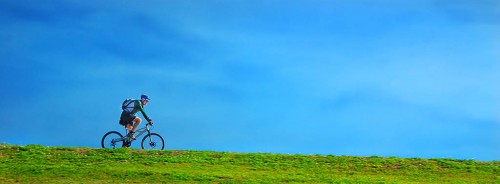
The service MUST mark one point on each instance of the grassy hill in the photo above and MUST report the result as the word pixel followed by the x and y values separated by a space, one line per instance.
pixel 41 164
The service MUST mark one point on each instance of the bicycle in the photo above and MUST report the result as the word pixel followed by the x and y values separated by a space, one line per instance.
pixel 112 139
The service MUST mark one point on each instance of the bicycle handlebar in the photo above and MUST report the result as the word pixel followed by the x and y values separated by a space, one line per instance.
pixel 151 125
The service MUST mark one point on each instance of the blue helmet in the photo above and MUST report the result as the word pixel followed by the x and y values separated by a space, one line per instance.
pixel 144 96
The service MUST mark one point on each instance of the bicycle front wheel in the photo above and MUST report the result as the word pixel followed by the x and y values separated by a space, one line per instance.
pixel 153 141
pixel 112 139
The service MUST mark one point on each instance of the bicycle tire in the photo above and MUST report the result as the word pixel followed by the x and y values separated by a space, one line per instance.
pixel 106 141
pixel 154 142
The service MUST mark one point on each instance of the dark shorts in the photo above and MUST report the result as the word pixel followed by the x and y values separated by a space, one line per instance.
pixel 126 118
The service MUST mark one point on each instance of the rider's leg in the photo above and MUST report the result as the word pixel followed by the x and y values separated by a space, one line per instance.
pixel 129 126
pixel 137 121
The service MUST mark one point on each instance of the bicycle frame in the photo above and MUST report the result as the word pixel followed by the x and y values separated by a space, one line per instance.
pixel 140 132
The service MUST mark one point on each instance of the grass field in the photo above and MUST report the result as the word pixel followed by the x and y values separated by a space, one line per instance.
pixel 42 164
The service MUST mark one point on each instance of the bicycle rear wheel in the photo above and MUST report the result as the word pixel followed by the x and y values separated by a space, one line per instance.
pixel 153 141
pixel 109 140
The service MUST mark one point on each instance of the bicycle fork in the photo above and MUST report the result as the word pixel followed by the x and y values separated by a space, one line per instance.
pixel 149 134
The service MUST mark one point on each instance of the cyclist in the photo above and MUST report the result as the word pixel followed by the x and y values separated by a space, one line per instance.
pixel 130 108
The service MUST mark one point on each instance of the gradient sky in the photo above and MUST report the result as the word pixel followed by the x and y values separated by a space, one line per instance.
pixel 338 77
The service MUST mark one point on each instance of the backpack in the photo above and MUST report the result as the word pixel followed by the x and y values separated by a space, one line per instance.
pixel 126 103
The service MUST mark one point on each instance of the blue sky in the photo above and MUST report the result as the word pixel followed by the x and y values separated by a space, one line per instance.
pixel 361 78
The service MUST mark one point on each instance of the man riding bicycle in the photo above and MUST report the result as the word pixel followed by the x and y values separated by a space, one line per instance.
pixel 130 108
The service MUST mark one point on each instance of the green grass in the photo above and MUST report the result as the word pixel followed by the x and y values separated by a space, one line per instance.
pixel 42 164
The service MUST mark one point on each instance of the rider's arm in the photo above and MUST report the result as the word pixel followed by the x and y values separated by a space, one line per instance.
pixel 141 108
